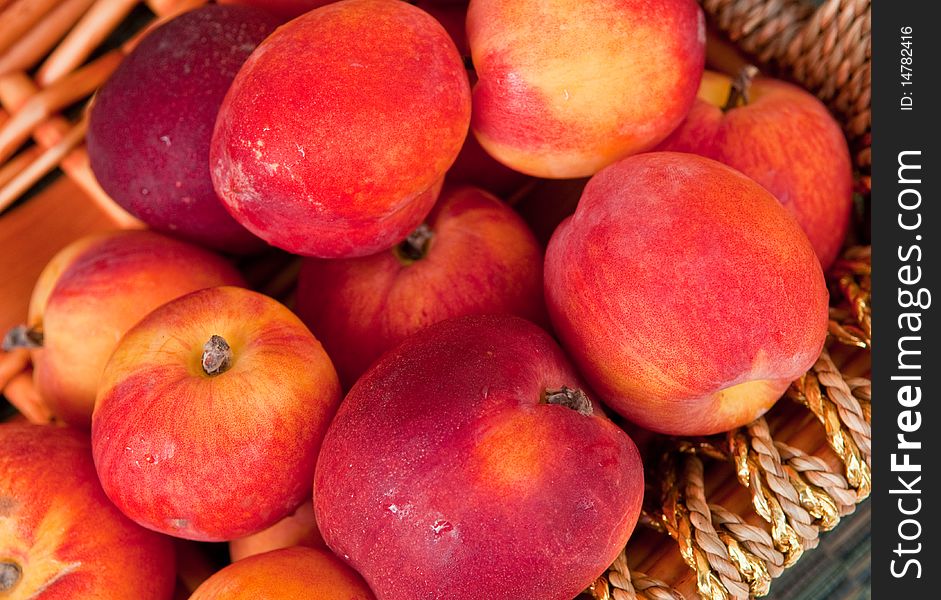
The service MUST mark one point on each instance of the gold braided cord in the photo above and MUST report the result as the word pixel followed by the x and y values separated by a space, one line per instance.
pixel 796 493
pixel 809 392
pixel 679 525
pixel 621 583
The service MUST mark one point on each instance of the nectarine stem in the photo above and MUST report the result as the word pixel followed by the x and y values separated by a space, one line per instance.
pixel 570 398
pixel 22 336
pixel 10 573
pixel 415 246
pixel 217 356
pixel 738 95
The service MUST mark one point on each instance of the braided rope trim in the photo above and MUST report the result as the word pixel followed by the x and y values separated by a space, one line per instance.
pixel 796 493
pixel 620 583
pixel 688 520
pixel 825 393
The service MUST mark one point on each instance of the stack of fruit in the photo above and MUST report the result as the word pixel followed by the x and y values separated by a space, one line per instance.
pixel 434 421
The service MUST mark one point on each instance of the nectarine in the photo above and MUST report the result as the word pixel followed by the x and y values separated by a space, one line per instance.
pixel 60 537
pixel 785 139
pixel 336 134
pixel 471 462
pixel 474 255
pixel 697 298
pixel 285 9
pixel 210 415
pixel 150 125
pixel 296 529
pixel 288 574
pixel 92 292
pixel 570 86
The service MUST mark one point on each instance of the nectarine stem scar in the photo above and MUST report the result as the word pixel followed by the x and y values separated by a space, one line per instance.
pixel 570 398
pixel 217 356
pixel 415 246
pixel 22 336
pixel 10 573
pixel 738 94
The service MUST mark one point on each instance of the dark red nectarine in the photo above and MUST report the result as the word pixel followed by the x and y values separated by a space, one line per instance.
pixel 470 462
pixel 285 9
pixel 150 125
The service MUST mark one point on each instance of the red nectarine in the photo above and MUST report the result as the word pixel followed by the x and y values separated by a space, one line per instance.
pixel 210 415
pixel 783 138
pixel 570 86
pixel 92 292
pixel 696 298
pixel 336 134
pixel 60 537
pixel 470 462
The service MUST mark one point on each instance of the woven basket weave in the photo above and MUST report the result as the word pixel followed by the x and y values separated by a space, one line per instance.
pixel 727 513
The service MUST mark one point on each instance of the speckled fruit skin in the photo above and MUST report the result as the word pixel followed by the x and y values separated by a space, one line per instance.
pixel 285 9
pixel 286 574
pixel 151 123
pixel 786 140
pixel 296 529
pixel 93 291
pixel 569 86
pixel 697 298
pixel 56 524
pixel 445 475
pixel 213 458
pixel 481 259
pixel 336 134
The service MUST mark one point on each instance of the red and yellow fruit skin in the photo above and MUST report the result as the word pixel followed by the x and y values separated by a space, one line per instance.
pixel 220 457
pixel 96 289
pixel 569 86
pixel 296 529
pixel 444 474
pixel 287 574
pixel 784 139
pixel 69 541
pixel 342 153
pixel 482 259
pixel 697 298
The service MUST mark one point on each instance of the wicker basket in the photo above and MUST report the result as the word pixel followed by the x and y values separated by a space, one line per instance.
pixel 727 513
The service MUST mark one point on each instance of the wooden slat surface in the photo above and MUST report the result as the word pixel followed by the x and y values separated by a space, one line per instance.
pixel 32 233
